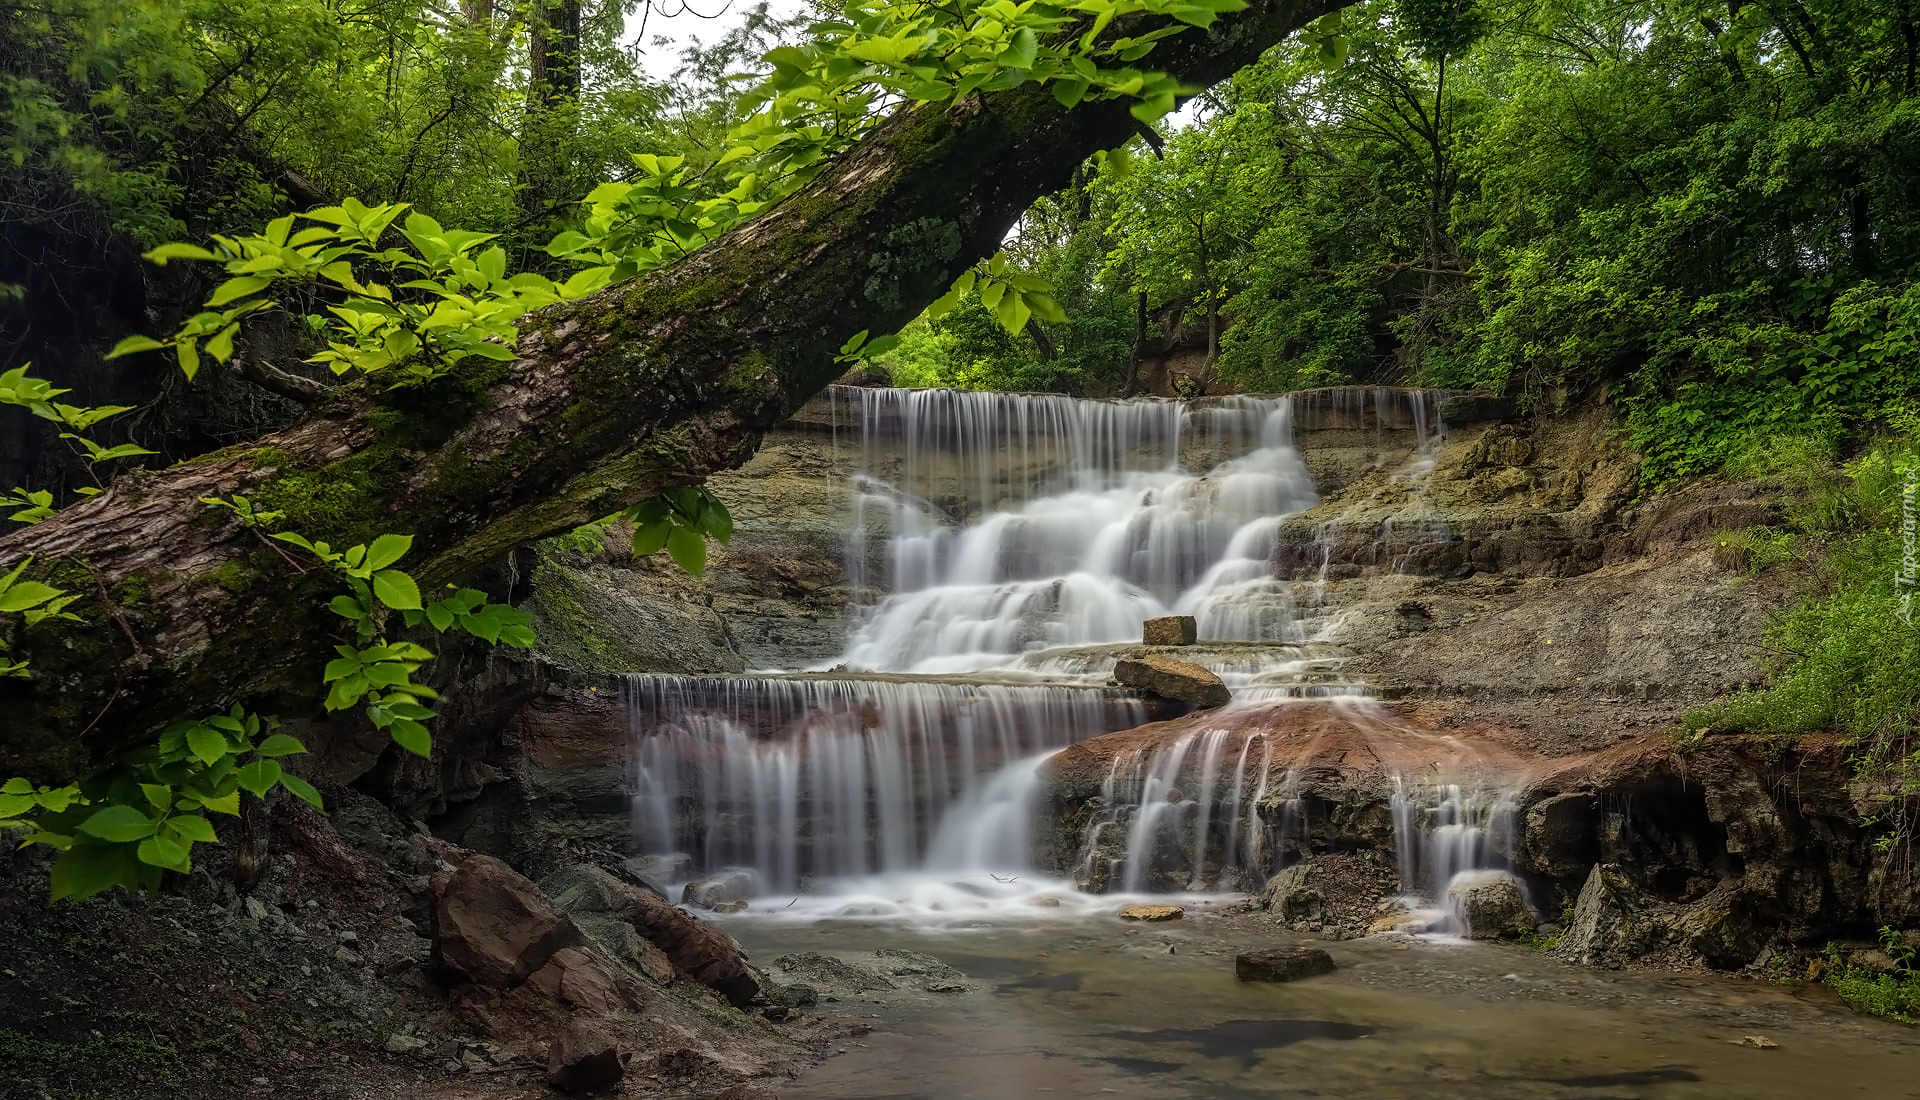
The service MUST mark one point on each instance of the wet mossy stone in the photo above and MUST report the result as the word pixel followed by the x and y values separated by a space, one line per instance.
pixel 1282 964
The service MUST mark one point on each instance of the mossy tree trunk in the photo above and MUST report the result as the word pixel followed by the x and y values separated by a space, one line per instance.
pixel 654 383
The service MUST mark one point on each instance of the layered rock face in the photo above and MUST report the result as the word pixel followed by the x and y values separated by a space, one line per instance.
pixel 1527 626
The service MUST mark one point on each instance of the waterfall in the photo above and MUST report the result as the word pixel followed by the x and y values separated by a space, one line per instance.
pixel 1003 547
pixel 1444 832
pixel 1019 523
pixel 795 777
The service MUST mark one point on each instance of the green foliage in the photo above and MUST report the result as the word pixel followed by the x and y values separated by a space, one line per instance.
pixel 126 824
pixel 439 300
pixel 36 395
pixel 1843 659
pixel 680 521
pixel 1894 996
pixel 35 603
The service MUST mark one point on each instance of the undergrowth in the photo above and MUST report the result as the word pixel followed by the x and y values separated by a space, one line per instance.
pixel 1894 996
pixel 1844 659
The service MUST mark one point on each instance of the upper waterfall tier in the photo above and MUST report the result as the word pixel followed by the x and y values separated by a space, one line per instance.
pixel 1020 522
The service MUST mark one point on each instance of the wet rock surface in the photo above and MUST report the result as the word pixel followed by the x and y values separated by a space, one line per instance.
pixel 1491 905
pixel 1174 630
pixel 1282 964
pixel 1170 678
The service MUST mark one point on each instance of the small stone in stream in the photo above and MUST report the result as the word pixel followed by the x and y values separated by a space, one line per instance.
pixel 586 1058
pixel 1760 1042
pixel 1046 901
pixel 796 996
pixel 717 890
pixel 1152 912
pixel 1172 679
pixel 736 906
pixel 948 987
pixel 1169 630
pixel 1282 964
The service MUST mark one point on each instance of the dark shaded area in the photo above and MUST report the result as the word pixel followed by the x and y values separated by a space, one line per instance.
pixel 1243 1039
pixel 1045 983
pixel 1141 1067
pixel 1630 1078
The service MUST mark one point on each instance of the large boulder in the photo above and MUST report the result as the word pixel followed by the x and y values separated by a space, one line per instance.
pixel 1292 897
pixel 1490 905
pixel 586 1058
pixel 1721 927
pixel 1558 837
pixel 492 927
pixel 1613 922
pixel 1172 679
pixel 697 949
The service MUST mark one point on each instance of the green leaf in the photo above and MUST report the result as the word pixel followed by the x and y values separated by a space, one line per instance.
pixel 228 803
pixel 388 549
pixel 280 745
pixel 159 795
pixel 397 590
pixel 718 521
pixel 302 790
pixel 118 824
pixel 88 869
pixel 259 777
pixel 1019 54
pixel 176 250
pixel 651 538
pixel 238 287
pixel 165 852
pixel 412 736
pixel 688 548
pixel 194 827
pixel 133 345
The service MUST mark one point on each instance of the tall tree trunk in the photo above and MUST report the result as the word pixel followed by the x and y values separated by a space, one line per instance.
pixel 653 383
pixel 1139 344
pixel 553 90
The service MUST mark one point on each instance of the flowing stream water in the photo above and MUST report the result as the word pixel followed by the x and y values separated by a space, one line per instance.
pixel 1011 545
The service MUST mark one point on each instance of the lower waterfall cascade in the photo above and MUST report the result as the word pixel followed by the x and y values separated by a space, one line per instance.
pixel 1010 547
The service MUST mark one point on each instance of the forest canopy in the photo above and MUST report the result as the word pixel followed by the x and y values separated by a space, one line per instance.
pixel 421 285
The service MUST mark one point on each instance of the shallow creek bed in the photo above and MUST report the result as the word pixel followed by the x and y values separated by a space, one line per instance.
pixel 1083 1005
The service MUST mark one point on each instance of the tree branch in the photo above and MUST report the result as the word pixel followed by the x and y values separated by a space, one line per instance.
pixel 650 384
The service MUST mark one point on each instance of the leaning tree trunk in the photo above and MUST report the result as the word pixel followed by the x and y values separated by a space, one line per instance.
pixel 653 383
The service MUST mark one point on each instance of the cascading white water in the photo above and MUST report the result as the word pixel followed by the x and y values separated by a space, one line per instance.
pixel 1181 818
pixel 1020 523
pixel 1024 534
pixel 808 777
pixel 1442 832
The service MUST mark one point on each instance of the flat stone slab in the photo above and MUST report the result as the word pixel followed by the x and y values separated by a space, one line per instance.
pixel 1152 912
pixel 1172 679
pixel 1282 964
pixel 1170 630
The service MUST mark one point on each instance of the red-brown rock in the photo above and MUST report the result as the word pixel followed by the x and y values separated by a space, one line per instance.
pixel 1172 679
pixel 492 927
pixel 575 977
pixel 586 1058
pixel 697 949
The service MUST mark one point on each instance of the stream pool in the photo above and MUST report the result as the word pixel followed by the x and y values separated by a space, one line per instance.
pixel 1086 1005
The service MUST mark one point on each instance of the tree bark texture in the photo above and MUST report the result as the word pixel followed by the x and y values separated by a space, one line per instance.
pixel 654 383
